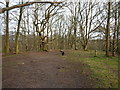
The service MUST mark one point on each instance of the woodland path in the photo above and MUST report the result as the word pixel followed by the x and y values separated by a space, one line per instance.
pixel 43 70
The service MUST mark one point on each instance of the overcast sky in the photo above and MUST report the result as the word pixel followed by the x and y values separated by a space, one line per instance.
pixel 13 24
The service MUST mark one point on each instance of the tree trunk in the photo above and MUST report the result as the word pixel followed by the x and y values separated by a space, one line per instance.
pixel 108 31
pixel 85 47
pixel 47 47
pixel 118 27
pixel 114 33
pixel 17 33
pixel 75 37
pixel 51 38
pixel 28 39
pixel 34 38
pixel 7 29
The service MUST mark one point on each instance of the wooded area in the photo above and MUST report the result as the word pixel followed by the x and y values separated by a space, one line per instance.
pixel 60 25
pixel 60 44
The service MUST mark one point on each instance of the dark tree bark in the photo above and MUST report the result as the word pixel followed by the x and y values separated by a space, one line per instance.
pixel 108 31
pixel 7 29
pixel 17 33
pixel 118 28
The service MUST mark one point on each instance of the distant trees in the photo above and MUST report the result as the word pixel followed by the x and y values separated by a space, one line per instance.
pixel 86 19
pixel 42 24
pixel 74 16
pixel 7 8
pixel 55 25
pixel 112 31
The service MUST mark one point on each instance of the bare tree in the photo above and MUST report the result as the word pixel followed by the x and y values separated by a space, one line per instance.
pixel 108 30
pixel 118 27
pixel 115 29
pixel 50 11
pixel 87 16
pixel 17 33
pixel 22 5
pixel 7 28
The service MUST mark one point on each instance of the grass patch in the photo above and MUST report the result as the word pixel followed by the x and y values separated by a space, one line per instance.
pixel 104 69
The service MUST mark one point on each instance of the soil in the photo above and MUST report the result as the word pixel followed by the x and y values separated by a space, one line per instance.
pixel 43 70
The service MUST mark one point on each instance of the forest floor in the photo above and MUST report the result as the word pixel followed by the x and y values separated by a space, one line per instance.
pixel 43 70
pixel 76 69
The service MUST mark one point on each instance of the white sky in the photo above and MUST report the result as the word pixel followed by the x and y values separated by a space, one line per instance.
pixel 13 2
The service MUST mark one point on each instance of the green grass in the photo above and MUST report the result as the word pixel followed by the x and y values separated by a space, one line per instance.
pixel 104 69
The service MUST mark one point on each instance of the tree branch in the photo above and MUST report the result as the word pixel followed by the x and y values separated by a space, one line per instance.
pixel 22 5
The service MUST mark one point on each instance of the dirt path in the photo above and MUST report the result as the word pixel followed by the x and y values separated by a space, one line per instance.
pixel 42 70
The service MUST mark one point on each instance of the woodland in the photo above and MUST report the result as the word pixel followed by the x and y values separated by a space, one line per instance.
pixel 87 32
pixel 39 26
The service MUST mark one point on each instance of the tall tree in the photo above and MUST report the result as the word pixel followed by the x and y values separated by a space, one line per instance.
pixel 114 32
pixel 74 16
pixel 17 33
pixel 108 30
pixel 7 28
pixel 118 27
